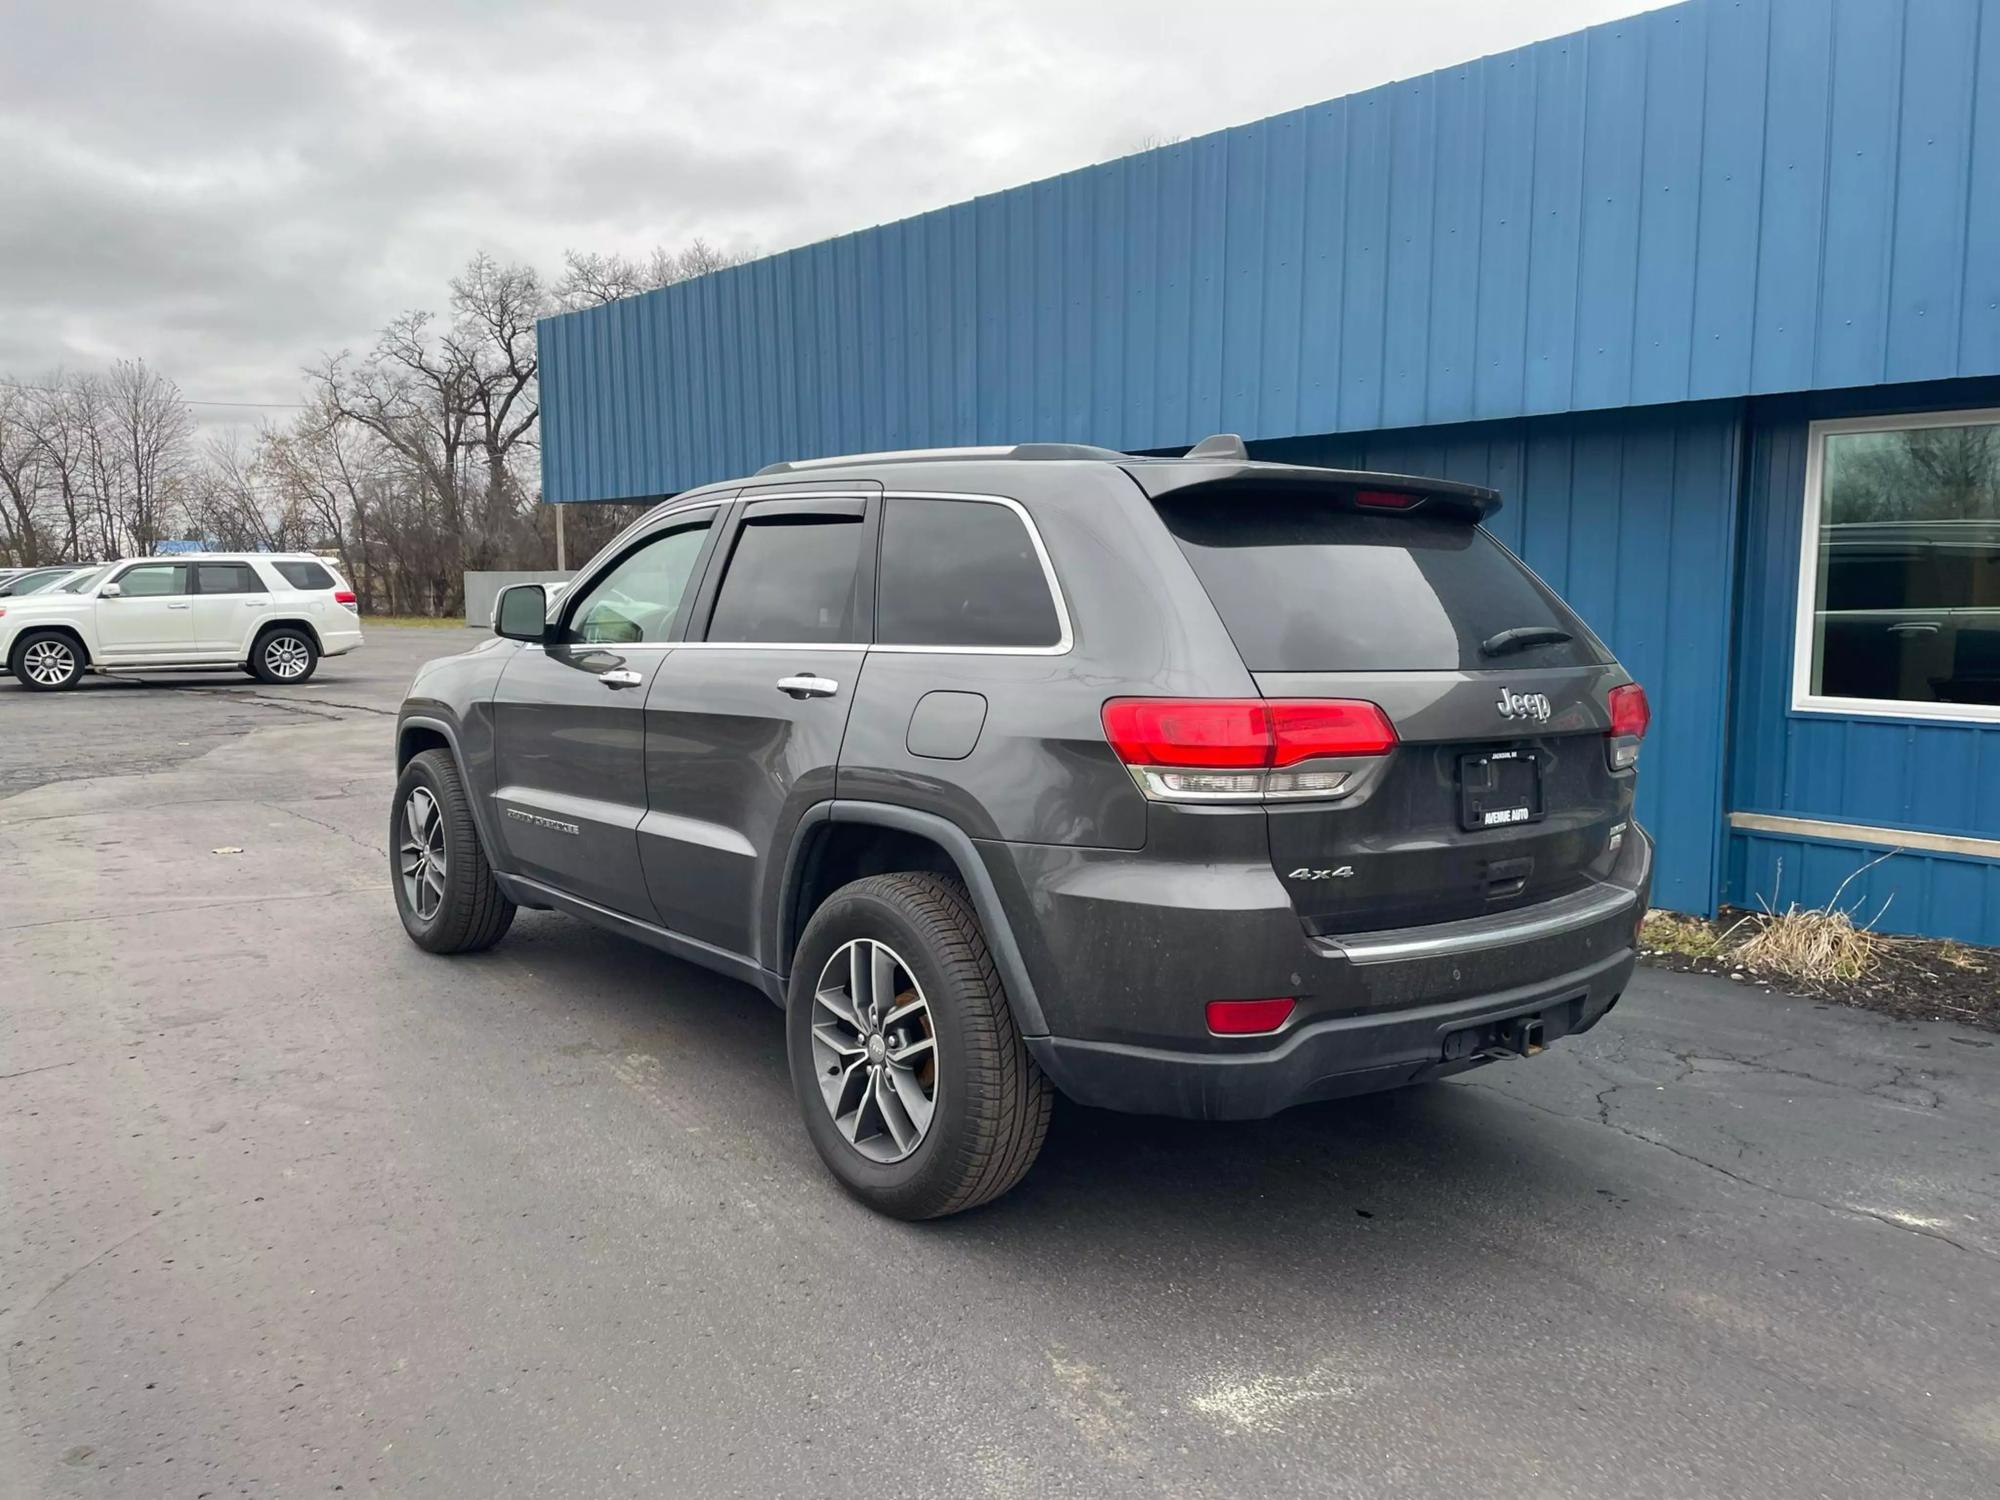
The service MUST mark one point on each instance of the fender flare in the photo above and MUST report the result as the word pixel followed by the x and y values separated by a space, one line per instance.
pixel 958 845
pixel 479 810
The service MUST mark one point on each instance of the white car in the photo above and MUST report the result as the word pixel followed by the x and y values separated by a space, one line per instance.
pixel 273 614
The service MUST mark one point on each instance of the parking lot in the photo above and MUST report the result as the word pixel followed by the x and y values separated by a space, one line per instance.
pixel 288 1207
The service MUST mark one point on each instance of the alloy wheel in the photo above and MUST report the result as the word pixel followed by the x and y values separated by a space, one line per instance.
pixel 50 663
pixel 874 1050
pixel 423 861
pixel 286 656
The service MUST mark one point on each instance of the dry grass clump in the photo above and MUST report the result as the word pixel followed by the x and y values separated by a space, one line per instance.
pixel 1815 944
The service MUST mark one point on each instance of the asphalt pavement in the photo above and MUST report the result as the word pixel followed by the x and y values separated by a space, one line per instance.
pixel 288 1207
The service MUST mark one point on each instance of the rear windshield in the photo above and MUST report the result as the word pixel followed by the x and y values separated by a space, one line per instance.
pixel 1305 587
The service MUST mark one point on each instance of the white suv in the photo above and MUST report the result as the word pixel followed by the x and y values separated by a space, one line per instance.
pixel 272 614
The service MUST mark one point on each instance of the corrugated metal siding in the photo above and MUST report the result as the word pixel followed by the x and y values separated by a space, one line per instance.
pixel 1721 198
pixel 1631 517
pixel 1898 773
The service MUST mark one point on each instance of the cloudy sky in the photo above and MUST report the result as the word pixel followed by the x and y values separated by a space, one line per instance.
pixel 228 188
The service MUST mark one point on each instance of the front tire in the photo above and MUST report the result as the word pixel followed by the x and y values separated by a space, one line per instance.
pixel 46 661
pixel 284 656
pixel 445 890
pixel 913 1082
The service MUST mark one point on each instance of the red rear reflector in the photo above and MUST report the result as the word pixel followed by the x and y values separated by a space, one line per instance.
pixel 1386 499
pixel 1248 1017
pixel 1630 714
pixel 1243 733
pixel 343 596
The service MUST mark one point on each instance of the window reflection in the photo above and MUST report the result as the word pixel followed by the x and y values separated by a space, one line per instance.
pixel 1907 599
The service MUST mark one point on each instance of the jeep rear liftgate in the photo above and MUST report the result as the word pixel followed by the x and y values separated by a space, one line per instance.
pixel 1495 785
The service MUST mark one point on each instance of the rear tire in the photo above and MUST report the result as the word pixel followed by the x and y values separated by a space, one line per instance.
pixel 47 661
pixel 284 656
pixel 445 890
pixel 988 1104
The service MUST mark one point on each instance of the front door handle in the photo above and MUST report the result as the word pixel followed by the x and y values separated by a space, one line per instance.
pixel 806 685
pixel 176 606
pixel 618 677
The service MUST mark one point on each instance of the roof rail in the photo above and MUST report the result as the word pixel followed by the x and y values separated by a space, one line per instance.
pixel 1043 452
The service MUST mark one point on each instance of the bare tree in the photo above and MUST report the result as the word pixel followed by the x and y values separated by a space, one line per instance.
pixel 143 446
pixel 21 481
pixel 591 279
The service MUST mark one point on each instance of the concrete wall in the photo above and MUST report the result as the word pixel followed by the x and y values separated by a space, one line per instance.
pixel 482 588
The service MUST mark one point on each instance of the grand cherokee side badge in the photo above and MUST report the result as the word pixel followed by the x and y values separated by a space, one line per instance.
pixel 1514 705
pixel 1339 873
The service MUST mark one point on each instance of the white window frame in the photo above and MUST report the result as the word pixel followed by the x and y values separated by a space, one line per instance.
pixel 1804 699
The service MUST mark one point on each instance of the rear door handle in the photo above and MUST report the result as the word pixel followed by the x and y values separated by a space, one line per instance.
pixel 806 685
pixel 176 606
pixel 618 677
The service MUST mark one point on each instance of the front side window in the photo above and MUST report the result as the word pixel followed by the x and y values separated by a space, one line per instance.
pixel 961 573
pixel 638 601
pixel 153 580
pixel 1900 575
pixel 794 578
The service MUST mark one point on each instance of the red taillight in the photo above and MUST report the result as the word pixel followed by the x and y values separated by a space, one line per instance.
pixel 1306 729
pixel 1218 733
pixel 1238 749
pixel 1630 718
pixel 1248 1017
pixel 1386 499
pixel 344 596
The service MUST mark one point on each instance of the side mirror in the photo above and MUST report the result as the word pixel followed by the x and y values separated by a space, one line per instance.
pixel 521 613
pixel 109 591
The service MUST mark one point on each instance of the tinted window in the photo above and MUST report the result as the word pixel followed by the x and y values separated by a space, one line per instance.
pixel 304 575
pixel 792 578
pixel 34 581
pixel 1307 587
pixel 961 573
pixel 1906 601
pixel 639 599
pixel 227 578
pixel 152 580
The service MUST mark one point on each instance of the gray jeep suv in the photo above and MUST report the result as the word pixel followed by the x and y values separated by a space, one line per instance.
pixel 1192 786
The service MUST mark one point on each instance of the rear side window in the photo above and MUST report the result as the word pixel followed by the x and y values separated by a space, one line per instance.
pixel 1308 587
pixel 961 573
pixel 792 578
pixel 304 575
pixel 227 578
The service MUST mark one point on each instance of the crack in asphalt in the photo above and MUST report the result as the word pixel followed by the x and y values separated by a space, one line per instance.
pixel 1603 1117
pixel 44 1068
pixel 158 911
pixel 293 812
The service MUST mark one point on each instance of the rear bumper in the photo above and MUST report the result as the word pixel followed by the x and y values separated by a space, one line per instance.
pixel 1125 951
pixel 338 642
pixel 1329 1059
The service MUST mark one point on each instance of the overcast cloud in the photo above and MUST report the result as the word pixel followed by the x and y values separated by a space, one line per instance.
pixel 228 188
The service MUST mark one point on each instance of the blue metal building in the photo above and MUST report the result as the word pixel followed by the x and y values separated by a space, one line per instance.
pixel 1713 294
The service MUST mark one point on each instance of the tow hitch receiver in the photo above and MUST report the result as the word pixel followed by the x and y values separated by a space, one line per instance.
pixel 1520 1036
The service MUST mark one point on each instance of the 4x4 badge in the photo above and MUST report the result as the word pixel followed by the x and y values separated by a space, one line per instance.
pixel 1524 705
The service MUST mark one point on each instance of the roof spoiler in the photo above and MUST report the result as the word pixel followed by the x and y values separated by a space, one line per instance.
pixel 1363 488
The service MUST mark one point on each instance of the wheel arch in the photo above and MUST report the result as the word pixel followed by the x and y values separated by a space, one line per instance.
pixel 265 627
pixel 839 841
pixel 417 733
pixel 63 628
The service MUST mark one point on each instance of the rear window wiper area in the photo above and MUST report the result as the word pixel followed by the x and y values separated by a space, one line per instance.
pixel 1521 637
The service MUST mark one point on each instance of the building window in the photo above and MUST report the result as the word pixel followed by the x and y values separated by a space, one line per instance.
pixel 1899 579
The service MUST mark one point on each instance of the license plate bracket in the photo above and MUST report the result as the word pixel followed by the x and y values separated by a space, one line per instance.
pixel 1499 789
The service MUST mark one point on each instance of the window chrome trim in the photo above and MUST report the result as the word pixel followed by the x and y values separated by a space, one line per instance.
pixel 1803 699
pixel 1065 635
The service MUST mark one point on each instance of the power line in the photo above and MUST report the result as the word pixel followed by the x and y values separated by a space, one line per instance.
pixel 15 385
